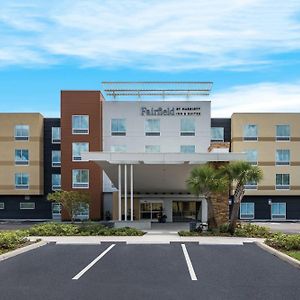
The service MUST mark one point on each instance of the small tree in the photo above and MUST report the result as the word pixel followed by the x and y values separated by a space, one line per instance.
pixel 206 180
pixel 240 173
pixel 71 201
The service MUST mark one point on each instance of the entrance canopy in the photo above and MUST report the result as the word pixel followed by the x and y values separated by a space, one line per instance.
pixel 156 172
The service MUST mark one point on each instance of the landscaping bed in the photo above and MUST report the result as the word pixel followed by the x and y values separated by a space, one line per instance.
pixel 84 229
pixel 11 240
pixel 242 230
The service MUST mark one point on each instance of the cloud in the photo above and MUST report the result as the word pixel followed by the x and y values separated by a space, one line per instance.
pixel 169 35
pixel 262 97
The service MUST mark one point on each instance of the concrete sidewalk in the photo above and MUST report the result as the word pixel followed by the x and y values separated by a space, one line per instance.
pixel 147 239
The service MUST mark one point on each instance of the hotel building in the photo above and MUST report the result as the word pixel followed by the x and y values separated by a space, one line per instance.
pixel 134 149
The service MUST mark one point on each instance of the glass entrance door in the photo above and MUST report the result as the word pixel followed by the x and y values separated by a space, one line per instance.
pixel 185 211
pixel 151 209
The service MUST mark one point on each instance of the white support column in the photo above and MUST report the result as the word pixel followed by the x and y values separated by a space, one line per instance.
pixel 131 192
pixel 120 193
pixel 204 213
pixel 125 191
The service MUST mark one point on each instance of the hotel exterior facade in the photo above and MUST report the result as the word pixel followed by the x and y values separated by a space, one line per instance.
pixel 145 150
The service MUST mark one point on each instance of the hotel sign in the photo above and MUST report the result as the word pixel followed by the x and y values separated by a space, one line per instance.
pixel 171 111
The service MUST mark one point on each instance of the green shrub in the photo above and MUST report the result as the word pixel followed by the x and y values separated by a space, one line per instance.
pixel 251 230
pixel 53 229
pixel 12 239
pixel 224 228
pixel 284 241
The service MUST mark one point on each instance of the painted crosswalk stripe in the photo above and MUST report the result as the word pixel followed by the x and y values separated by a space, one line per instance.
pixel 76 277
pixel 188 262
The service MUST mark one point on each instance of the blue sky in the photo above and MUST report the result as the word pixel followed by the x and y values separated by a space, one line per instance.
pixel 250 49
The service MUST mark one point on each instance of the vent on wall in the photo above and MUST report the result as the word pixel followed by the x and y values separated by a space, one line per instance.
pixel 27 197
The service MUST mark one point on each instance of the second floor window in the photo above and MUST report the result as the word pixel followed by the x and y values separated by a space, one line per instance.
pixel 251 185
pixel 77 149
pixel 282 132
pixel 22 181
pixel 282 181
pixel 56 182
pixel 187 127
pixel 152 127
pixel 250 132
pixel 56 159
pixel 152 148
pixel 22 132
pixel 118 127
pixel 217 134
pixel 187 148
pixel 252 156
pixel 282 157
pixel 80 178
pixel 55 135
pixel 80 124
pixel 22 157
pixel 118 148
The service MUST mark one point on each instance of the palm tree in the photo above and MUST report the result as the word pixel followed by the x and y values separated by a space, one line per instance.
pixel 206 180
pixel 239 174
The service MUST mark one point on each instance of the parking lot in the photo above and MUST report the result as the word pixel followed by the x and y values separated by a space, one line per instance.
pixel 174 271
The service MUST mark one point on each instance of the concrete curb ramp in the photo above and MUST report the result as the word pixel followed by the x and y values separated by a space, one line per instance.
pixel 22 250
pixel 279 254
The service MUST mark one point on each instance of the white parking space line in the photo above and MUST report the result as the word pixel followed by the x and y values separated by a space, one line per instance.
pixel 76 277
pixel 188 262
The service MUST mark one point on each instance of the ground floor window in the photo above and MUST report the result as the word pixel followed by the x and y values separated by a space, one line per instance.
pixel 278 210
pixel 27 205
pixel 151 209
pixel 83 213
pixel 2 206
pixel 247 210
pixel 56 210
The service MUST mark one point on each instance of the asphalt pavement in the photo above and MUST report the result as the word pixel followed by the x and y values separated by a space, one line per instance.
pixel 129 271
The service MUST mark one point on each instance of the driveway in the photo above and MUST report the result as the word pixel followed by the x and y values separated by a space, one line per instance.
pixel 129 271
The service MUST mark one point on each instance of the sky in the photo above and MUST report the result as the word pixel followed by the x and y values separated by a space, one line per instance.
pixel 250 49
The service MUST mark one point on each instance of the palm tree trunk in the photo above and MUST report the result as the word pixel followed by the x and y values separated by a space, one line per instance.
pixel 237 198
pixel 211 214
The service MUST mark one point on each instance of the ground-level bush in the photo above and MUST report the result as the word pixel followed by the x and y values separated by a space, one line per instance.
pixel 53 229
pixel 94 229
pixel 284 241
pixel 10 240
pixel 251 230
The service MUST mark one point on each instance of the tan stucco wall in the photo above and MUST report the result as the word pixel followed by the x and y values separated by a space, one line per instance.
pixel 266 147
pixel 7 153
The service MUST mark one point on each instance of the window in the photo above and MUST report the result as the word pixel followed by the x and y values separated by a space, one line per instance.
pixel 83 212
pixel 278 210
pixel 152 127
pixel 56 159
pixel 55 135
pixel 282 181
pixel 250 132
pixel 251 185
pixel 247 210
pixel 283 132
pixel 77 149
pixel 80 178
pixel 187 148
pixel 22 157
pixel 22 181
pixel 152 148
pixel 118 127
pixel 27 205
pixel 118 148
pixel 187 127
pixel 252 156
pixel 56 182
pixel 2 206
pixel 217 134
pixel 21 132
pixel 282 157
pixel 80 124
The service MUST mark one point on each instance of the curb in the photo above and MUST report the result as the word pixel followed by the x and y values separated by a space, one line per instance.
pixel 277 253
pixel 22 250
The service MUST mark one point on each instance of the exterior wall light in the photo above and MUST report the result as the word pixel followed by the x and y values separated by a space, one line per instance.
pixel 229 201
pixel 270 201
